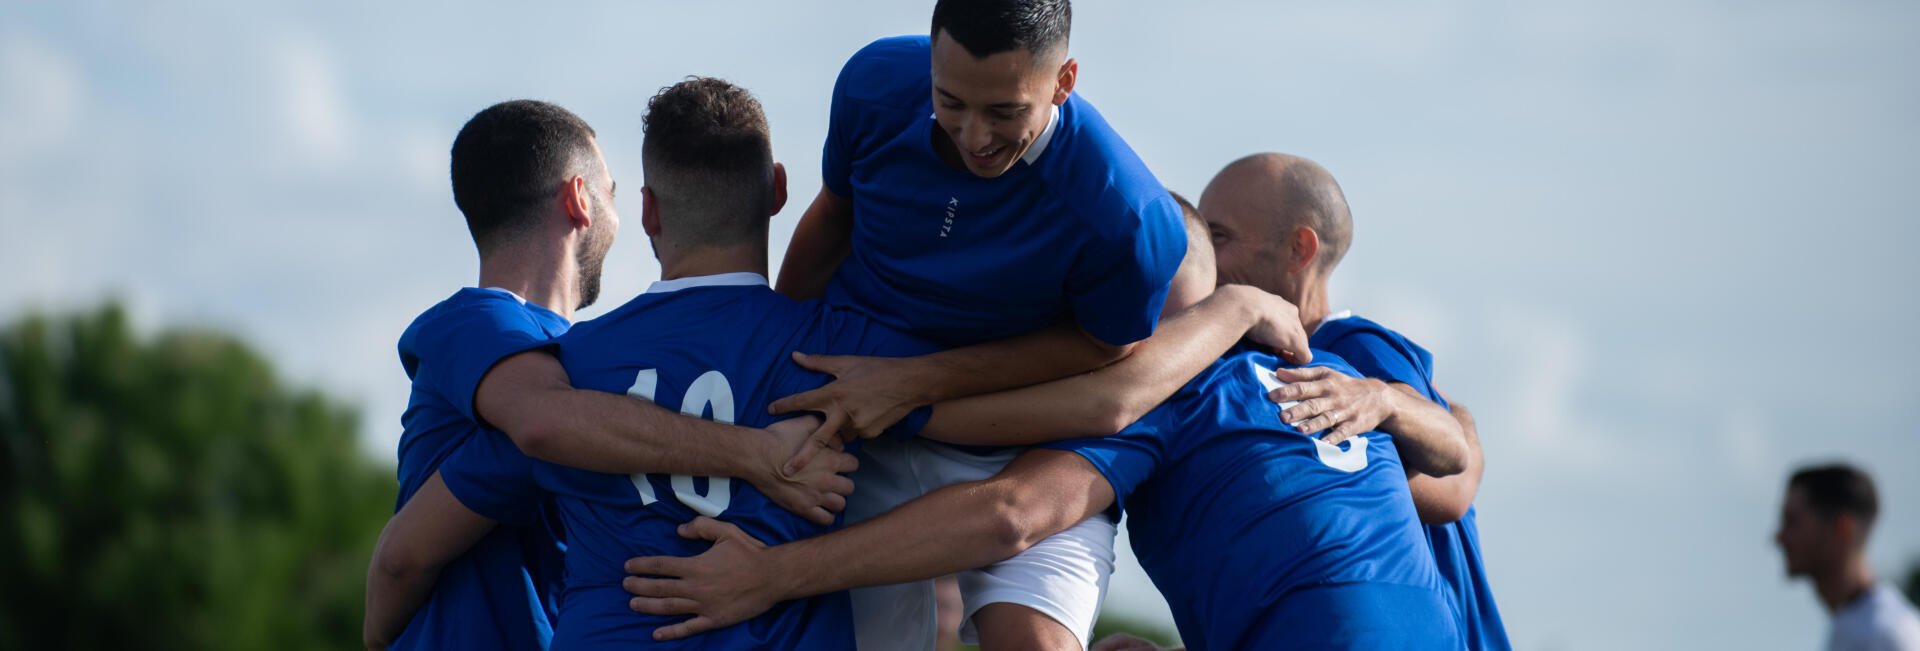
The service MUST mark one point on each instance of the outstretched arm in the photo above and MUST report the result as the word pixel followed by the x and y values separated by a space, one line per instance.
pixel 962 526
pixel 1106 400
pixel 430 531
pixel 1445 499
pixel 529 397
pixel 868 394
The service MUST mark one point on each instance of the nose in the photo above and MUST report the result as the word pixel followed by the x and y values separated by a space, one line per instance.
pixel 974 135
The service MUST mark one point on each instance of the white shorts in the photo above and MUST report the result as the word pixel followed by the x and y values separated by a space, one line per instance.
pixel 1063 577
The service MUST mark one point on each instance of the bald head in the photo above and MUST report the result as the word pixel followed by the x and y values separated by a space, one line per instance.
pixel 1278 223
pixel 1289 192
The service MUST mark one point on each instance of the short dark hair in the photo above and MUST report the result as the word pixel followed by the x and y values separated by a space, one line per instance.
pixel 709 162
pixel 989 27
pixel 1837 488
pixel 509 159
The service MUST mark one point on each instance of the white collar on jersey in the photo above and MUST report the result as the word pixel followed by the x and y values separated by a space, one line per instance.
pixel 735 279
pixel 1336 316
pixel 506 291
pixel 1046 136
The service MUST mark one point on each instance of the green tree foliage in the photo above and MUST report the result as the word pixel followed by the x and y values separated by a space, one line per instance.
pixel 170 493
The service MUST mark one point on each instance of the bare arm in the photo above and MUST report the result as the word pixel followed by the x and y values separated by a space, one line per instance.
pixel 430 531
pixel 1106 400
pixel 821 241
pixel 962 526
pixel 1445 499
pixel 530 398
pixel 869 394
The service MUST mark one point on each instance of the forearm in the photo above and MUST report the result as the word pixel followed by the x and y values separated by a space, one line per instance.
pixel 958 527
pixel 1445 499
pixel 1050 353
pixel 431 530
pixel 1430 440
pixel 604 432
pixel 821 241
pixel 530 398
pixel 1103 402
pixel 392 599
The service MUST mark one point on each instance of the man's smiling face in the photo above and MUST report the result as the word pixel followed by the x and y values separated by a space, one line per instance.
pixel 993 108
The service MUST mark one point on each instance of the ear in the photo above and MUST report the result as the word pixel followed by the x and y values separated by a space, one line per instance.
pixel 1302 247
pixel 1846 529
pixel 1069 72
pixel 575 203
pixel 649 212
pixel 779 189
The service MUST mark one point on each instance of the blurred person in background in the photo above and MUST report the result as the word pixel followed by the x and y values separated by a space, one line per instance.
pixel 1824 522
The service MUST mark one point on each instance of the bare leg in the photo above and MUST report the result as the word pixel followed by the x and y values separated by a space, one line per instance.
pixel 1012 627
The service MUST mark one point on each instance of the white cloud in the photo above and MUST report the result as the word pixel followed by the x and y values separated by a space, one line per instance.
pixel 42 97
pixel 310 103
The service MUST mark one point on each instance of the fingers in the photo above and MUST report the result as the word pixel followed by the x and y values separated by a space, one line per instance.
pixel 834 502
pixel 1317 423
pixel 826 436
pixel 828 364
pixel 1340 433
pixel 655 588
pixel 819 516
pixel 1306 409
pixel 813 400
pixel 654 565
pixel 687 628
pixel 709 529
pixel 667 606
pixel 839 485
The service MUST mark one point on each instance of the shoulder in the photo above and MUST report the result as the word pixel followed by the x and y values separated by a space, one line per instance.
pixel 1101 178
pixel 1358 336
pixel 474 311
pixel 888 73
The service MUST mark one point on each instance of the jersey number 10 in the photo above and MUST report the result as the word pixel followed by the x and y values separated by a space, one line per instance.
pixel 710 391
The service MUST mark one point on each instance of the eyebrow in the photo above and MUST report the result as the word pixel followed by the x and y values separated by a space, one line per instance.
pixel 1002 105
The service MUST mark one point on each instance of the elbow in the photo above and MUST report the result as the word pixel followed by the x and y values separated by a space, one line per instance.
pixel 1111 413
pixel 390 566
pixel 1442 511
pixel 537 438
pixel 1452 462
pixel 1013 526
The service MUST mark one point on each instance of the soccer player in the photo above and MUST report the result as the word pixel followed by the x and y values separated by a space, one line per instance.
pixel 1824 522
pixel 969 197
pixel 1281 223
pixel 712 338
pixel 538 199
pixel 1260 536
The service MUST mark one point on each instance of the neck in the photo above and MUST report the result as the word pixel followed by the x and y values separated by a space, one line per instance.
pixel 1313 305
pixel 1844 584
pixel 544 278
pixel 710 260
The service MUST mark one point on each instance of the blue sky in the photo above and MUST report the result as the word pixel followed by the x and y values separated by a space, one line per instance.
pixel 1659 247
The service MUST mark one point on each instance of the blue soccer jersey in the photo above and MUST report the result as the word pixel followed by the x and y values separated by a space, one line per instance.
pixel 1078 228
pixel 1261 537
pixel 1380 353
pixel 498 595
pixel 715 347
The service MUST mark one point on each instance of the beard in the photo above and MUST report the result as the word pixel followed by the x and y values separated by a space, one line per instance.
pixel 589 260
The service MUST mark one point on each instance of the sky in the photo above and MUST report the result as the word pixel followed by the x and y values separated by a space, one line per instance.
pixel 1659 248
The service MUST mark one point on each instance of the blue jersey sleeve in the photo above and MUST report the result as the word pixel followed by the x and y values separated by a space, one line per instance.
pixel 1127 459
pixel 490 475
pixel 467 343
pixel 1391 359
pixel 836 156
pixel 1119 284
